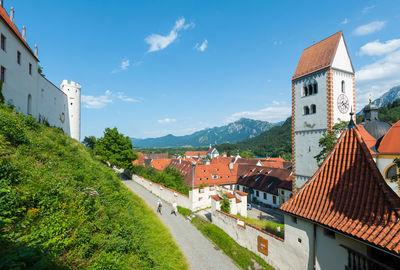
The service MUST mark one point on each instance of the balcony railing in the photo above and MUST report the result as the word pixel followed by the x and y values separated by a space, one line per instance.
pixel 359 261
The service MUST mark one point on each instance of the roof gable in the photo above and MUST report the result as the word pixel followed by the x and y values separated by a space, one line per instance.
pixel 348 194
pixel 342 60
pixel 318 56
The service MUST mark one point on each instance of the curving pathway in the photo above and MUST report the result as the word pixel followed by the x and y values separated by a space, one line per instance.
pixel 199 251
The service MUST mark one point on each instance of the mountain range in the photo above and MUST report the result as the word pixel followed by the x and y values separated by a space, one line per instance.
pixel 388 97
pixel 239 130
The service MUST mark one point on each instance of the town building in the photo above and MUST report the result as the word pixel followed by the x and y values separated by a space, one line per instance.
pixel 212 152
pixel 323 93
pixel 196 154
pixel 345 216
pixel 26 89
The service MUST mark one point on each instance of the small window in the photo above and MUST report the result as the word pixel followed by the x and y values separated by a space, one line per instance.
pixel 313 108
pixel 315 88
pixel 19 57
pixel 294 219
pixel 391 173
pixel 265 196
pixel 329 233
pixel 343 87
pixel 30 69
pixel 299 240
pixel 306 110
pixel 3 74
pixel 274 199
pixel 3 42
pixel 305 93
pixel 257 193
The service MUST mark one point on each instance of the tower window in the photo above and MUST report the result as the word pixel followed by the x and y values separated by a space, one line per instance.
pixel 306 110
pixel 30 69
pixel 3 42
pixel 315 86
pixel 343 87
pixel 19 57
pixel 3 74
pixel 310 88
pixel 313 108
pixel 391 173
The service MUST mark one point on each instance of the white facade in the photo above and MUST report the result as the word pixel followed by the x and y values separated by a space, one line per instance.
pixel 333 82
pixel 31 93
pixel 268 198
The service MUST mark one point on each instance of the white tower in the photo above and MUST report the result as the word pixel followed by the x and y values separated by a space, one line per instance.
pixel 73 92
pixel 323 92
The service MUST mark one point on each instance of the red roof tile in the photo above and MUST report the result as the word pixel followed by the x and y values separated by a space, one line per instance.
pixel 390 143
pixel 230 195
pixel 195 153
pixel 160 164
pixel 348 194
pixel 216 197
pixel 4 16
pixel 369 140
pixel 317 56
pixel 214 174
pixel 140 160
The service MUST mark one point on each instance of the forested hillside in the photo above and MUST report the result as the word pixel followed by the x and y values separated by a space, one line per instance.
pixel 62 209
pixel 274 142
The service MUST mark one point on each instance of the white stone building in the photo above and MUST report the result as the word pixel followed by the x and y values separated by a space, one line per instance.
pixel 26 89
pixel 323 92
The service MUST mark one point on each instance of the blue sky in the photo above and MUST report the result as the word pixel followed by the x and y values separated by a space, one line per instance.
pixel 151 68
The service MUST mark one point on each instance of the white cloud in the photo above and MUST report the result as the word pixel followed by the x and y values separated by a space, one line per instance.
pixel 276 102
pixel 378 48
pixel 367 9
pixel 345 21
pixel 99 102
pixel 369 28
pixel 125 63
pixel 158 42
pixel 92 102
pixel 201 47
pixel 166 120
pixel 374 79
pixel 271 114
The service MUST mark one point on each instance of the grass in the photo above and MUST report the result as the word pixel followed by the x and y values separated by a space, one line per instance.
pixel 60 208
pixel 266 225
pixel 243 257
pixel 184 211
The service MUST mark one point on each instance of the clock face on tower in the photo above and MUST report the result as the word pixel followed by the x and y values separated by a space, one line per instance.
pixel 343 103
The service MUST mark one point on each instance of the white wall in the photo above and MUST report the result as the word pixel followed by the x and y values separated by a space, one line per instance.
pixel 164 193
pixel 383 162
pixel 338 77
pixel 47 100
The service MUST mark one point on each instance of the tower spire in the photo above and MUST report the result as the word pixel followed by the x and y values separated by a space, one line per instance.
pixel 351 124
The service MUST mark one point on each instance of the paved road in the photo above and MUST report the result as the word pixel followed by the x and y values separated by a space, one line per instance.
pixel 199 251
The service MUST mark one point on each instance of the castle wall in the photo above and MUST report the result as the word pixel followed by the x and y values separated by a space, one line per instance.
pixel 31 93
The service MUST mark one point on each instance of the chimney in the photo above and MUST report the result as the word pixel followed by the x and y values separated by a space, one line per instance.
pixel 36 51
pixel 24 32
pixel 11 14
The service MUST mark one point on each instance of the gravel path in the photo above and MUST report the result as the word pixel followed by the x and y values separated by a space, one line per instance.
pixel 199 251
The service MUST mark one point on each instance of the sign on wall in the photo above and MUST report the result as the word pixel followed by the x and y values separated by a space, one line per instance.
pixel 263 245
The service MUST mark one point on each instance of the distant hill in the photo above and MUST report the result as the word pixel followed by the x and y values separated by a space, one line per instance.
pixel 274 142
pixel 231 133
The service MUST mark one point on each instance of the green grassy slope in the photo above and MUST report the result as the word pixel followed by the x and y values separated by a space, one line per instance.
pixel 60 208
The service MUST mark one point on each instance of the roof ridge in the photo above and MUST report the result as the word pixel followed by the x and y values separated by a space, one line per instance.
pixel 340 31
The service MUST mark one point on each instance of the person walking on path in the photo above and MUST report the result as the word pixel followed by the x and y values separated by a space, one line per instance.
pixel 159 206
pixel 174 208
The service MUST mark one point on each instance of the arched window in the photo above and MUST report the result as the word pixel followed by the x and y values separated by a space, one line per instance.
pixel 343 87
pixel 310 87
pixel 313 108
pixel 29 108
pixel 306 110
pixel 305 91
pixel 315 87
pixel 391 173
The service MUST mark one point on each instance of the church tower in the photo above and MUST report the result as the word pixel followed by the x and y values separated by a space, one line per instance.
pixel 73 92
pixel 323 93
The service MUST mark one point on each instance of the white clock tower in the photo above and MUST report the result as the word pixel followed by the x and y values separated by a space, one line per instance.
pixel 323 92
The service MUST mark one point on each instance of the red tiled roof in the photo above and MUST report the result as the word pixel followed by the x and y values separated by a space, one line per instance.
pixel 241 193
pixel 348 194
pixel 245 170
pixel 196 153
pixel 279 159
pixel 369 140
pixel 14 29
pixel 214 174
pixel 185 167
pixel 230 195
pixel 238 201
pixel 317 56
pixel 140 160
pixel 157 156
pixel 216 197
pixel 390 143
pixel 160 164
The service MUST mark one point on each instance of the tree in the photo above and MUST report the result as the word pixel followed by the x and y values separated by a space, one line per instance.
pixel 89 142
pixel 225 204
pixel 115 148
pixel 328 141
